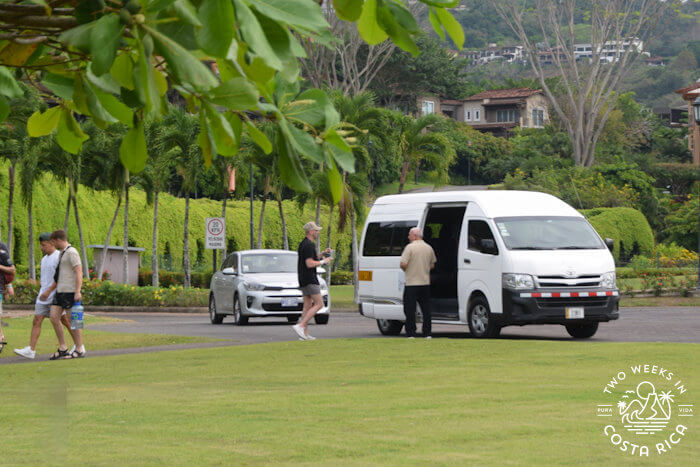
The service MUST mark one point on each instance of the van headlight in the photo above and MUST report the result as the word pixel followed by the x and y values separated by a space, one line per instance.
pixel 518 281
pixel 607 280
pixel 252 285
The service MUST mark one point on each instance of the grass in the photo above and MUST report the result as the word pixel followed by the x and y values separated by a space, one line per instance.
pixel 393 188
pixel 342 297
pixel 359 401
pixel 17 331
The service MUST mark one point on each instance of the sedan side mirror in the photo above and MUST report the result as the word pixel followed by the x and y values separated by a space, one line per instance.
pixel 610 243
pixel 488 246
pixel 228 271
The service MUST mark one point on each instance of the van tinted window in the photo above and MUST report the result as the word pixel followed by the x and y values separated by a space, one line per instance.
pixel 387 238
pixel 478 230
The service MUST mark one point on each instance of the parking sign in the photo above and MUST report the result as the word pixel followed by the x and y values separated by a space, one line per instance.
pixel 215 233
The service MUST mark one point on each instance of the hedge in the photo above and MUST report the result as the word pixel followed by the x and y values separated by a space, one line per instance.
pixel 626 226
pixel 170 278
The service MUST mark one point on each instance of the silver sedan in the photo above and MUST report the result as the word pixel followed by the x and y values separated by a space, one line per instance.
pixel 260 284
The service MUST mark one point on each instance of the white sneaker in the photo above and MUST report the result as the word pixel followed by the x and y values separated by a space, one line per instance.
pixel 309 337
pixel 26 352
pixel 428 337
pixel 300 331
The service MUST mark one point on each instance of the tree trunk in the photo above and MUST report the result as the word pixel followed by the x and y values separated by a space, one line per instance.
pixel 355 278
pixel 285 237
pixel 402 178
pixel 10 205
pixel 223 215
pixel 125 245
pixel 262 211
pixel 30 239
pixel 65 219
pixel 155 280
pixel 83 251
pixel 318 219
pixel 186 243
pixel 103 254
pixel 328 244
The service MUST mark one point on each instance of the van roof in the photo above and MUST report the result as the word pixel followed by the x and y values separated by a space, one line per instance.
pixel 494 203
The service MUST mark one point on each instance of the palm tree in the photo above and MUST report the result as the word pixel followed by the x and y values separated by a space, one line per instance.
pixel 417 144
pixel 178 137
pixel 29 173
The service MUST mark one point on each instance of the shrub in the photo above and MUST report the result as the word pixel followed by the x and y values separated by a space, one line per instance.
pixel 341 277
pixel 627 227
pixel 630 273
pixel 169 278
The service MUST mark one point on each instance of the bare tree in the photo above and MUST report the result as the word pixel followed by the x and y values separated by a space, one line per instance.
pixel 588 86
pixel 348 63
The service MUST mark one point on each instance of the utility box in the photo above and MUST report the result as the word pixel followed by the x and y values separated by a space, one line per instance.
pixel 114 263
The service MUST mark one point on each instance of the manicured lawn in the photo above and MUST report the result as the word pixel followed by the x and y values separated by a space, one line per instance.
pixel 361 401
pixel 660 301
pixel 17 335
pixel 342 297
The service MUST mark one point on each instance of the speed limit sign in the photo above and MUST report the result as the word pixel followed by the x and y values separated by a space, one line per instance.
pixel 215 231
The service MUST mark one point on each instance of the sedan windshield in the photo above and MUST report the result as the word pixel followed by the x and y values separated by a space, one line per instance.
pixel 548 233
pixel 267 262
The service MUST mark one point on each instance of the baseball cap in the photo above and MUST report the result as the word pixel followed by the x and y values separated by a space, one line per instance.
pixel 45 236
pixel 309 226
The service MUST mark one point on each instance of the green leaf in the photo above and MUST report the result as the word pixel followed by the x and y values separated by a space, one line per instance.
pixel 186 12
pixel 259 137
pixel 115 107
pixel 183 66
pixel 224 137
pixel 403 16
pixel 344 159
pixel 61 86
pixel 236 125
pixel 330 115
pixel 254 35
pixel 8 84
pixel 206 140
pixel 290 168
pixel 123 71
pixel 4 108
pixel 441 3
pixel 348 10
pixel 69 135
pixel 302 142
pixel 452 26
pixel 133 152
pixel 302 13
pixel 335 182
pixel 145 83
pixel 42 124
pixel 367 24
pixel 158 5
pixel 161 82
pixel 104 40
pixel 235 94
pixel 93 104
pixel 437 27
pixel 78 37
pixel 218 26
pixel 398 34
pixel 106 82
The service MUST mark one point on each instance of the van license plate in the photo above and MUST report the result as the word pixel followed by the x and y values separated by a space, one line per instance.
pixel 289 302
pixel 574 313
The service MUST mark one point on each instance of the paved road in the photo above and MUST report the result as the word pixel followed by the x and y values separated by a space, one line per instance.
pixel 678 324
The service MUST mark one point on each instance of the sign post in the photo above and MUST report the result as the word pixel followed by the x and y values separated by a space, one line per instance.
pixel 215 236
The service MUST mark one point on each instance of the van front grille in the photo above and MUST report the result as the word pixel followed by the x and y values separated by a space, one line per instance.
pixel 568 282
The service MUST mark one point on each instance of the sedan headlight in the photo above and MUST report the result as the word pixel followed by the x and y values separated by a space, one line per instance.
pixel 607 280
pixel 252 285
pixel 518 281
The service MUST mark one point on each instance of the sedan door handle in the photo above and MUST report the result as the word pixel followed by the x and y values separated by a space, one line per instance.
pixel 467 260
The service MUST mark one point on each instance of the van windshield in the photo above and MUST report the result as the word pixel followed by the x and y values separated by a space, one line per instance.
pixel 547 233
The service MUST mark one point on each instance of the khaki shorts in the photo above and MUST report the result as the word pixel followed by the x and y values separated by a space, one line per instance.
pixel 311 289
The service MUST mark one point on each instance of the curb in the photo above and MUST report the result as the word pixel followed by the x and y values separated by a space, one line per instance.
pixel 149 309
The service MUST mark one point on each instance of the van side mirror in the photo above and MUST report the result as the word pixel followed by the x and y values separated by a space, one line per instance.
pixel 228 271
pixel 488 246
pixel 610 243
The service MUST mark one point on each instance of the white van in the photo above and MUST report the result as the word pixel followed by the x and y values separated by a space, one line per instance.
pixel 503 258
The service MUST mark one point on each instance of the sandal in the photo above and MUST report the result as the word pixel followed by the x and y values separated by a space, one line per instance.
pixel 59 354
pixel 75 354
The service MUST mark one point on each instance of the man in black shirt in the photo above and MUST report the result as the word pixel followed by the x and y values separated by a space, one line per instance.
pixel 308 281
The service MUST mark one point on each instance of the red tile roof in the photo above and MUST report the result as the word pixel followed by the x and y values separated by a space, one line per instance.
pixel 504 94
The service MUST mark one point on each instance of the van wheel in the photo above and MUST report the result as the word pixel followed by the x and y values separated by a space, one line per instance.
pixel 389 327
pixel 238 317
pixel 321 319
pixel 582 331
pixel 214 317
pixel 481 322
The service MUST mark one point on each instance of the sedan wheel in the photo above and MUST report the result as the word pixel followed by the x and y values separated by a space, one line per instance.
pixel 238 317
pixel 213 315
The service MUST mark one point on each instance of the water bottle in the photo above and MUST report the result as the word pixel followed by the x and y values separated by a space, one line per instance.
pixel 76 316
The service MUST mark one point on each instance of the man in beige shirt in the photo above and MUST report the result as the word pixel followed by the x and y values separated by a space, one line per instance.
pixel 417 259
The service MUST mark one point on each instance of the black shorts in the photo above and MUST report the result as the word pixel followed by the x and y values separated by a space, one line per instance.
pixel 64 300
